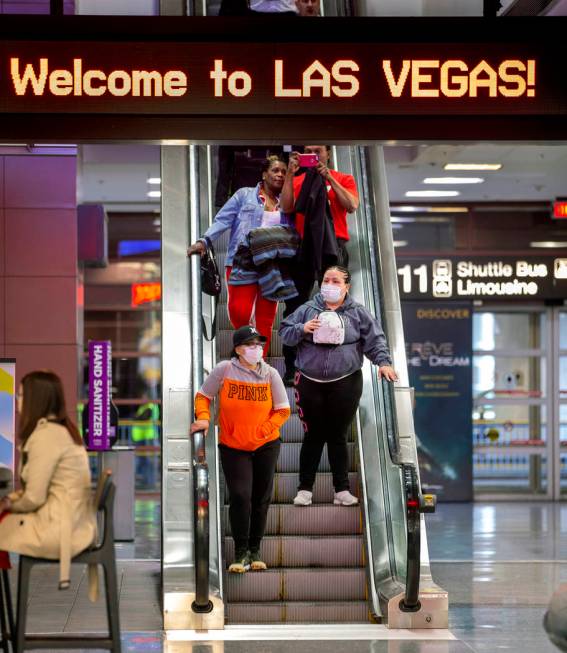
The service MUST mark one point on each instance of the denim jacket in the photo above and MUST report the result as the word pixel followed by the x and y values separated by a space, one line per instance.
pixel 363 337
pixel 242 213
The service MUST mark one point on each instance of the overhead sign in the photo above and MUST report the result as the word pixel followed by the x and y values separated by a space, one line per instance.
pixel 100 385
pixel 482 278
pixel 280 78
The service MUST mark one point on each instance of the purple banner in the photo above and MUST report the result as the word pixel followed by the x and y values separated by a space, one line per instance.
pixel 100 383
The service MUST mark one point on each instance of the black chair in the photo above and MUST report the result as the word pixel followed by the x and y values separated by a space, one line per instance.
pixel 101 553
pixel 7 629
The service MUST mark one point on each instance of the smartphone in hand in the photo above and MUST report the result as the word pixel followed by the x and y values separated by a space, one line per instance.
pixel 308 160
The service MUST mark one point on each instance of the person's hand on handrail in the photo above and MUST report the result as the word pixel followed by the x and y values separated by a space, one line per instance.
pixel 199 425
pixel 197 248
pixel 387 372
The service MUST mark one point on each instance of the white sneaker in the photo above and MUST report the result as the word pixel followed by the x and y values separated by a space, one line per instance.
pixel 303 498
pixel 345 498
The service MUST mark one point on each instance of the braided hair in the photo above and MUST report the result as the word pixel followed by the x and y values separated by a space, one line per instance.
pixel 342 270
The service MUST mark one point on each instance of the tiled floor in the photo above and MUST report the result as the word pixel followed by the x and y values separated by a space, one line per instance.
pixel 499 562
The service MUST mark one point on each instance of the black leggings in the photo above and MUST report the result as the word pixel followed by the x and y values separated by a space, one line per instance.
pixel 250 479
pixel 326 410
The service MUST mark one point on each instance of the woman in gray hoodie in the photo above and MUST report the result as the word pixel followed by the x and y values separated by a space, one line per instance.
pixel 332 333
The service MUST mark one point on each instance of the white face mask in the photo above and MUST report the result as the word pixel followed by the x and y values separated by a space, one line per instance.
pixel 331 293
pixel 253 354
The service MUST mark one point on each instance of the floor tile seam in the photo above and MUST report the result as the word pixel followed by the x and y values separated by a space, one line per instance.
pixel 67 621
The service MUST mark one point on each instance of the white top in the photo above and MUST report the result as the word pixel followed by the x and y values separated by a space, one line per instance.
pixel 271 219
pixel 273 6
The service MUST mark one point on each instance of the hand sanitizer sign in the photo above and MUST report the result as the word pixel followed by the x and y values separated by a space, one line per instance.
pixel 100 383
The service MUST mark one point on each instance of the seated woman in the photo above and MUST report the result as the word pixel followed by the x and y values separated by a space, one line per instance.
pixel 253 405
pixel 331 332
pixel 249 209
pixel 52 515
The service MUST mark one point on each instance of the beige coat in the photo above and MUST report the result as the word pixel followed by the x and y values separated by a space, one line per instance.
pixel 53 516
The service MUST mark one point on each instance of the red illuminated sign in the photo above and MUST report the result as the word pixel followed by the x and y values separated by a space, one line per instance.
pixel 143 293
pixel 559 210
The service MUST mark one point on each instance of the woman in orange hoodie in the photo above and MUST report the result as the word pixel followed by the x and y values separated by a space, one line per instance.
pixel 252 406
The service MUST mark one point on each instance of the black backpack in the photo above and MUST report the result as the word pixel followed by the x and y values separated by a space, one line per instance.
pixel 210 283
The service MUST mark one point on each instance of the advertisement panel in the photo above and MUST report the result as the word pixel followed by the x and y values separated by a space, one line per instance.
pixel 100 384
pixel 7 412
pixel 439 352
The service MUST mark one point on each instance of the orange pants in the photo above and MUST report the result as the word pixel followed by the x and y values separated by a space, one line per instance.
pixel 246 303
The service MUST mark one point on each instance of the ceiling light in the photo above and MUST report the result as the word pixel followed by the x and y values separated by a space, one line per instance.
pixel 447 209
pixel 472 166
pixel 400 243
pixel 154 180
pixel 549 244
pixel 453 180
pixel 432 193
pixel 392 219
pixel 406 209
pixel 154 193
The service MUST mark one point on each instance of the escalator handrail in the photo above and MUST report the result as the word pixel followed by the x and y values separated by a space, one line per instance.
pixel 410 602
pixel 201 517
pixel 391 422
pixel 202 603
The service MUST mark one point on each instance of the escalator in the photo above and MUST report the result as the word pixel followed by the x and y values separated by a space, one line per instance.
pixel 326 563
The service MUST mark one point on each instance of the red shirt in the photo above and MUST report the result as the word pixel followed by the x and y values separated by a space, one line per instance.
pixel 339 214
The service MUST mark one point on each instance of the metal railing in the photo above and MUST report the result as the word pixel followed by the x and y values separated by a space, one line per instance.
pixel 202 603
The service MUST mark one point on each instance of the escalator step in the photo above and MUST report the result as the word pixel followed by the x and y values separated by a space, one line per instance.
pixel 297 585
pixel 302 551
pixel 292 430
pixel 289 458
pixel 321 519
pixel 298 612
pixel 285 487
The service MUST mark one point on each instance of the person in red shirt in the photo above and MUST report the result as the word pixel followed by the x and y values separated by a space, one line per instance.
pixel 343 199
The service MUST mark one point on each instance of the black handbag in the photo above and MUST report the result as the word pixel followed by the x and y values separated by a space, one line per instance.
pixel 210 283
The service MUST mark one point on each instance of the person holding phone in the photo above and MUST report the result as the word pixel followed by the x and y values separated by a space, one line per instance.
pixel 342 197
pixel 332 333
pixel 252 407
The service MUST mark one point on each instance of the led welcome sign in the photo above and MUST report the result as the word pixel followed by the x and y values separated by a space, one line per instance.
pixel 452 78
pixel 267 79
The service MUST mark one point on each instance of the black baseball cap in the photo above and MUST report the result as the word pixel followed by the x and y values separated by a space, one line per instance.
pixel 244 334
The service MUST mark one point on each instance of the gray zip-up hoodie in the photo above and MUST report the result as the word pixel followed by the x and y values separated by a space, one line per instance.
pixel 363 336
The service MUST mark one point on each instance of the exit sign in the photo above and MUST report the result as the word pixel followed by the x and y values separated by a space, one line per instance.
pixel 559 209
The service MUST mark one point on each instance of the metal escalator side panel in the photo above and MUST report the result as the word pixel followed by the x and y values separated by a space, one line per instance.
pixel 182 371
pixel 380 478
pixel 433 598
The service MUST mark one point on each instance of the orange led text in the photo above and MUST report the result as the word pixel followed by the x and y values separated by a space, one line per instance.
pixel 432 78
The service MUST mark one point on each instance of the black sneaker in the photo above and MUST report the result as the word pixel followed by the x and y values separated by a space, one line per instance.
pixel 256 562
pixel 241 562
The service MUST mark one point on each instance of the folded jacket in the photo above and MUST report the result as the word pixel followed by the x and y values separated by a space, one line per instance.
pixel 262 260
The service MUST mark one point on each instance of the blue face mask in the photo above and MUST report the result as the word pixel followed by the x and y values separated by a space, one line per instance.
pixel 331 292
